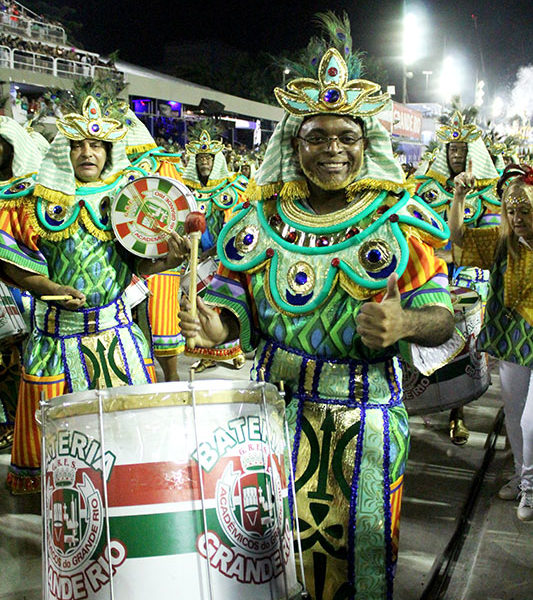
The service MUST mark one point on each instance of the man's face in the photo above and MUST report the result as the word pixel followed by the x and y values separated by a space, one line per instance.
pixel 457 157
pixel 88 159
pixel 331 150
pixel 204 164
pixel 246 170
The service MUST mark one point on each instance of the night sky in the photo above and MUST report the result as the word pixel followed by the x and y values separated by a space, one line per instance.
pixel 140 30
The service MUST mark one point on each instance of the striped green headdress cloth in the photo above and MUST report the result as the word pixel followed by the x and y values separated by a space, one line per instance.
pixel 219 173
pixel 26 155
pixel 56 181
pixel 40 141
pixel 138 139
pixel 482 166
pixel 280 172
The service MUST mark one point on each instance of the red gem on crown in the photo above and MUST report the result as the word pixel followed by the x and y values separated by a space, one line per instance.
pixel 335 262
pixel 332 71
pixel 394 218
pixel 270 252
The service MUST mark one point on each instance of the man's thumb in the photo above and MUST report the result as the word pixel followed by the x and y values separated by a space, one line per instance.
pixel 393 292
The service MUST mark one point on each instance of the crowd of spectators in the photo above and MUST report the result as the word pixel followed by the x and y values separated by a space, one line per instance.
pixel 15 17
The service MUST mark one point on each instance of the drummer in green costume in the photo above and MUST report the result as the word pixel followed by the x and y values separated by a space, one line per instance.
pixel 59 242
pixel 462 147
pixel 217 192
pixel 328 273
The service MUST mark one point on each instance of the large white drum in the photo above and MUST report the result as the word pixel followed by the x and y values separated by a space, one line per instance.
pixel 465 378
pixel 167 491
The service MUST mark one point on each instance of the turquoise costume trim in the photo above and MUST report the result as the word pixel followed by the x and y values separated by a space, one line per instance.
pixel 438 197
pixel 17 187
pixel 298 251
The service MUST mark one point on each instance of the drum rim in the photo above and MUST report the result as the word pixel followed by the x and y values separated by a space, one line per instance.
pixel 108 394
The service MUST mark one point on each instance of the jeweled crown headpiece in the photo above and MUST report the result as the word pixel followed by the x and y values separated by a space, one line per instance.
pixel 457 130
pixel 90 124
pixel 204 145
pixel 332 92
pixel 494 146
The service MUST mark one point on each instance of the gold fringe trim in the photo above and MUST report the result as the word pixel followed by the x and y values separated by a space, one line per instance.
pixel 291 190
pixel 54 196
pixel 13 202
pixel 295 190
pixel 99 234
pixel 373 184
pixel 255 192
pixel 140 148
pixel 210 183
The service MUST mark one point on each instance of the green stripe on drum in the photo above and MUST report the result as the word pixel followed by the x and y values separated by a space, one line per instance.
pixel 163 534
pixel 164 186
pixel 139 247
pixel 122 203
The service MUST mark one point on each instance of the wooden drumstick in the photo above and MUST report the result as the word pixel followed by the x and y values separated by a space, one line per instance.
pixel 59 298
pixel 195 225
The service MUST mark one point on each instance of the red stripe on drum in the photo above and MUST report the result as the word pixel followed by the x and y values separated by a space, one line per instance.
pixel 162 247
pixel 163 482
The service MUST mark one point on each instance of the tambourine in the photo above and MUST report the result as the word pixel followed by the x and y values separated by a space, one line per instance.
pixel 144 206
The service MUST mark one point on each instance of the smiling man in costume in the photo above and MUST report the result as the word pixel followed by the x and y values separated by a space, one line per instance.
pixel 329 274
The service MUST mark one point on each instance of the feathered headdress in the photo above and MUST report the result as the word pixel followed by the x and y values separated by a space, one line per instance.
pixel 92 109
pixel 204 138
pixel 338 89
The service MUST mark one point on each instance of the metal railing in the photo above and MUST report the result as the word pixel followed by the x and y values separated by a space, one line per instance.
pixel 32 28
pixel 59 67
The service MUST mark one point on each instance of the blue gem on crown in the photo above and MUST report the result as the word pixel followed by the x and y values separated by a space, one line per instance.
pixel 332 95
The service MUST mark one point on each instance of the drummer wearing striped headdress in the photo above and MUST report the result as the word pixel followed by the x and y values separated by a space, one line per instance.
pixel 329 273
pixel 462 148
pixel 59 245
pixel 217 192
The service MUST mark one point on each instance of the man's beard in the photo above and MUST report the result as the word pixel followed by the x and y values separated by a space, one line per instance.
pixel 331 183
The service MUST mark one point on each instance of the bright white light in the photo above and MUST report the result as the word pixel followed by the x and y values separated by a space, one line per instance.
pixel 498 106
pixel 286 70
pixel 412 44
pixel 451 78
pixel 480 93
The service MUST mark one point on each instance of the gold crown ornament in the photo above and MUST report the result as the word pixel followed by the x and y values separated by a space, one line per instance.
pixel 458 130
pixel 495 148
pixel 204 145
pixel 90 124
pixel 332 92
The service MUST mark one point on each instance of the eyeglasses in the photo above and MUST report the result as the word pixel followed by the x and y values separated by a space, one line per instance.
pixel 346 140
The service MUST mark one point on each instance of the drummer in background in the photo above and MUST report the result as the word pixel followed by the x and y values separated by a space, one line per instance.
pixel 507 332
pixel 218 192
pixel 59 243
pixel 462 147
pixel 19 161
pixel 329 273
pixel 158 316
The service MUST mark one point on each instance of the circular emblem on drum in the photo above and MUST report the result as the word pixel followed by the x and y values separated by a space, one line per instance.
pixel 75 515
pixel 144 206
pixel 249 500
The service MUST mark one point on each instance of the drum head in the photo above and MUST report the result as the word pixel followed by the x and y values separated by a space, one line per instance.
pixel 146 204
